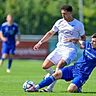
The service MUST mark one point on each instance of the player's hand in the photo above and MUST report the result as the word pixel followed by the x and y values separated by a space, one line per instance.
pixel 36 47
pixel 4 39
pixel 17 43
pixel 67 40
pixel 71 40
pixel 82 46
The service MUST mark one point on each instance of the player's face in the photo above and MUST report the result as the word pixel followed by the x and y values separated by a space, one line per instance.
pixel 65 14
pixel 93 42
pixel 9 19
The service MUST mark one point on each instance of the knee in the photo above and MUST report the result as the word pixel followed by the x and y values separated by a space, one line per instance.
pixel 57 74
pixel 72 88
pixel 4 56
pixel 44 67
pixel 47 64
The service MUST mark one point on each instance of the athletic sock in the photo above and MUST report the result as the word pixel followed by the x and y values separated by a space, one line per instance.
pixel 50 71
pixel 45 82
pixel 51 86
pixel 9 63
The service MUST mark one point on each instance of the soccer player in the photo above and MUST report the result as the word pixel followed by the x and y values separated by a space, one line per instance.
pixel 10 37
pixel 70 30
pixel 78 73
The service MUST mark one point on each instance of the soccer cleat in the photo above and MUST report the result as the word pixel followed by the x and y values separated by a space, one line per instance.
pixel 45 90
pixel 31 89
pixel 8 70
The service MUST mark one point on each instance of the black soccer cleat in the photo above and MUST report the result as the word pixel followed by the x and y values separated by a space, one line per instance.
pixel 45 90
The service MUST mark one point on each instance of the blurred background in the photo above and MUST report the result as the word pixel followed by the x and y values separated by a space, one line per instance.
pixel 36 17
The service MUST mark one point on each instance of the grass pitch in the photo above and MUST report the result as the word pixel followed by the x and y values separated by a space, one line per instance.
pixel 22 70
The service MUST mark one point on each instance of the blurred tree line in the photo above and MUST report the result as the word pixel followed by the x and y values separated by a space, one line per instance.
pixel 36 17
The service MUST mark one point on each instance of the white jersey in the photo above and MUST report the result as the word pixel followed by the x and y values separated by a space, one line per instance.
pixel 73 29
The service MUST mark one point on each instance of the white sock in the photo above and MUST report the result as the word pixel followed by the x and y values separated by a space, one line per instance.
pixel 51 86
pixel 37 87
pixel 50 71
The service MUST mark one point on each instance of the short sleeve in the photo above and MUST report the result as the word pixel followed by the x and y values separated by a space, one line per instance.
pixel 17 28
pixel 82 31
pixel 55 27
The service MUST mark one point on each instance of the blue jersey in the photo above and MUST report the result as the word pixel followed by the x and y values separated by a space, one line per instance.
pixel 80 71
pixel 9 31
pixel 86 63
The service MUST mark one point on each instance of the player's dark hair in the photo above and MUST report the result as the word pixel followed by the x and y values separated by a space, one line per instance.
pixel 94 35
pixel 67 7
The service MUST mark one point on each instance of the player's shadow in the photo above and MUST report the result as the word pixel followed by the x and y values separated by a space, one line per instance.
pixel 77 93
pixel 89 92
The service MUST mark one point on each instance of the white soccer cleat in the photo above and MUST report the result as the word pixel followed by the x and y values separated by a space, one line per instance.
pixel 8 71
pixel 31 89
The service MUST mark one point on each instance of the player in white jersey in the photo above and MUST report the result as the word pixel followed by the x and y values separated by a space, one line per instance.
pixel 70 30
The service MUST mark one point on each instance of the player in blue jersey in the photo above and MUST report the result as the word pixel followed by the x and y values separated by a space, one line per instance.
pixel 10 37
pixel 78 73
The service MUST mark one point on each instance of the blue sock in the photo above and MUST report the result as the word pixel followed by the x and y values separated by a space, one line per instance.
pixel 9 63
pixel 46 81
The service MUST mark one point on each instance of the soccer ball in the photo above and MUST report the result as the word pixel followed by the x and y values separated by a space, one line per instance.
pixel 28 84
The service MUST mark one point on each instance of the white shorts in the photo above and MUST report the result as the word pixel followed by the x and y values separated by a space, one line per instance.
pixel 65 53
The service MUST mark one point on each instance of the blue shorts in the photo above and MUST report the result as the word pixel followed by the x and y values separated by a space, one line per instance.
pixel 7 49
pixel 79 80
pixel 67 75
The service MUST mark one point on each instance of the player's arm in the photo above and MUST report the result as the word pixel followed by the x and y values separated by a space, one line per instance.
pixel 18 35
pixel 46 37
pixel 18 39
pixel 74 40
pixel 2 37
pixel 82 41
pixel 82 36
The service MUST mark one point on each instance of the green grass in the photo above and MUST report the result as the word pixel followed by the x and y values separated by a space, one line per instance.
pixel 22 70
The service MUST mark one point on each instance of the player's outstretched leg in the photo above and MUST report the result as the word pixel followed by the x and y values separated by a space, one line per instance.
pixel 51 86
pixel 43 83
